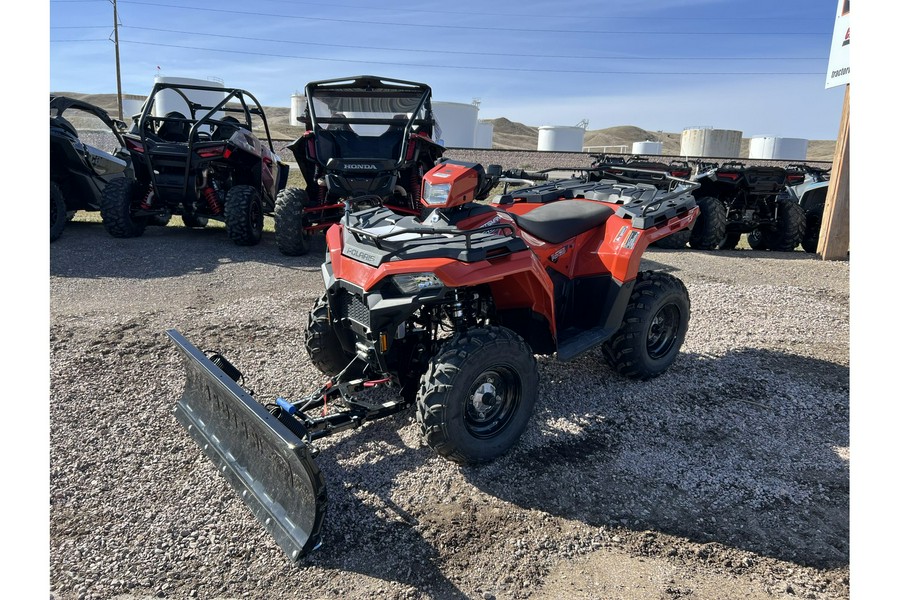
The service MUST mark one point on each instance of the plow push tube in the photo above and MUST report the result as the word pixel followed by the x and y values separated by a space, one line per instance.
pixel 268 465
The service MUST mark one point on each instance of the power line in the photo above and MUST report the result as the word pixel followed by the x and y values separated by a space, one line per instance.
pixel 468 68
pixel 475 27
pixel 464 52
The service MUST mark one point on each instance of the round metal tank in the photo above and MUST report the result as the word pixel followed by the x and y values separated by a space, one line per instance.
pixel 709 142
pixel 456 122
pixel 170 101
pixel 647 147
pixel 298 105
pixel 484 135
pixel 779 148
pixel 560 138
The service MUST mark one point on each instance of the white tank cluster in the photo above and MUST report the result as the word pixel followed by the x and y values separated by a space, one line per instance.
pixel 457 122
pixel 298 105
pixel 484 135
pixel 647 148
pixel 171 101
pixel 560 138
pixel 709 142
pixel 778 148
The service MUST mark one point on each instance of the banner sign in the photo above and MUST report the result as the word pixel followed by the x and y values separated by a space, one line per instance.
pixel 839 60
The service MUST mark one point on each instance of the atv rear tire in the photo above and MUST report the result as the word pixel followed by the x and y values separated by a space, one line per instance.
pixel 790 226
pixel 675 241
pixel 115 208
pixel 709 229
pixel 477 395
pixel 290 231
pixel 58 215
pixel 322 344
pixel 731 241
pixel 244 215
pixel 810 241
pixel 653 328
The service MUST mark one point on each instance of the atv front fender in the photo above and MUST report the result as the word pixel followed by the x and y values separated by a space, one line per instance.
pixel 267 464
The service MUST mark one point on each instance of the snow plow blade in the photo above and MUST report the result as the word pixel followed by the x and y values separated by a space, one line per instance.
pixel 269 466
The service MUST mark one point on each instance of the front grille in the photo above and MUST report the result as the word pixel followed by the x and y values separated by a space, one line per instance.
pixel 350 306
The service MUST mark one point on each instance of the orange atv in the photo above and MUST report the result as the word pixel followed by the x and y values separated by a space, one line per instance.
pixel 448 309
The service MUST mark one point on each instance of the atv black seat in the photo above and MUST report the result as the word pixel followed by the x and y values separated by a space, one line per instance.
pixel 559 221
pixel 174 129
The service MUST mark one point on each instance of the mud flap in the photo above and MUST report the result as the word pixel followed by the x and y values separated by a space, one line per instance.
pixel 268 465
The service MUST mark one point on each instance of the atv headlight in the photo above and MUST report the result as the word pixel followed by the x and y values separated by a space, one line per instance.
pixel 413 283
pixel 436 194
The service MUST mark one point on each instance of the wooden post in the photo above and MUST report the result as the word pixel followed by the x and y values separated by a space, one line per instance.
pixel 834 237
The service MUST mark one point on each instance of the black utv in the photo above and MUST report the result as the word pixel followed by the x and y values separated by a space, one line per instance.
pixel 203 163
pixel 79 172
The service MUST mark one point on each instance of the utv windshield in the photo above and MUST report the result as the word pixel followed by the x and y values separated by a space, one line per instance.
pixel 367 121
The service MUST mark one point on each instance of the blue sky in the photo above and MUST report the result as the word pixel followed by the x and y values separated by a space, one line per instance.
pixel 756 66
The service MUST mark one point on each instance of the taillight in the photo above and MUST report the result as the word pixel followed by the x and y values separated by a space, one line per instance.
pixel 794 179
pixel 211 151
pixel 615 171
pixel 134 145
pixel 731 176
pixel 681 174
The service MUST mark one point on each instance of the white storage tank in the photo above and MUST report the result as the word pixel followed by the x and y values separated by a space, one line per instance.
pixel 298 105
pixel 778 148
pixel 131 107
pixel 171 101
pixel 560 138
pixel 709 142
pixel 484 135
pixel 456 122
pixel 648 147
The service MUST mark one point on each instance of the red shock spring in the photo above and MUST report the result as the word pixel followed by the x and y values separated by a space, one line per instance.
pixel 212 199
pixel 415 186
pixel 146 202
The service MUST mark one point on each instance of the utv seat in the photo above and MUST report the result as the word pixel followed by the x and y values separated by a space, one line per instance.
pixel 174 130
pixel 558 221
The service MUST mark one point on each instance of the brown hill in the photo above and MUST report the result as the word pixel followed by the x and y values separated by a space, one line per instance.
pixel 508 135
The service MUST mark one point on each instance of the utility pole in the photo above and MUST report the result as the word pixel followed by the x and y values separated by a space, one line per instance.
pixel 118 71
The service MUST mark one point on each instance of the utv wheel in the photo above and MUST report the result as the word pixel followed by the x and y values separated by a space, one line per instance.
pixel 322 344
pixel 290 232
pixel 653 329
pixel 243 215
pixel 193 221
pixel 709 229
pixel 810 241
pixel 790 226
pixel 477 395
pixel 675 241
pixel 58 215
pixel 730 242
pixel 115 208
pixel 758 239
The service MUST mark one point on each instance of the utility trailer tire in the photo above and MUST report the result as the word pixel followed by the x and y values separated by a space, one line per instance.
pixel 653 328
pixel 709 229
pixel 193 221
pixel 730 241
pixel 322 344
pixel 115 208
pixel 758 240
pixel 790 226
pixel 675 241
pixel 243 215
pixel 290 231
pixel 58 215
pixel 477 395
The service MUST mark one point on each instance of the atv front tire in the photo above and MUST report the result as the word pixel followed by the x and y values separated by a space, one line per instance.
pixel 653 328
pixel 290 232
pixel 709 229
pixel 675 241
pixel 322 344
pixel 58 215
pixel 244 215
pixel 477 395
pixel 115 208
pixel 790 226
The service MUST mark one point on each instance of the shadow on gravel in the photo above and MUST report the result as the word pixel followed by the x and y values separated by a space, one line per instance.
pixel 700 453
pixel 86 250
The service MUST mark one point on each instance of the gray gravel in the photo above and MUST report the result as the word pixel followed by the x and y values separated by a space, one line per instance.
pixel 727 477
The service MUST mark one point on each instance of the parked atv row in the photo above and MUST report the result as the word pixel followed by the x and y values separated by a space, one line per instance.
pixel 447 309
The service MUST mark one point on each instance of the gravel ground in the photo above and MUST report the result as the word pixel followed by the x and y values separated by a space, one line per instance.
pixel 727 477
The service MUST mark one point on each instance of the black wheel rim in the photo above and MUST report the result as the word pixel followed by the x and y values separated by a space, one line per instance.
pixel 663 331
pixel 492 401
